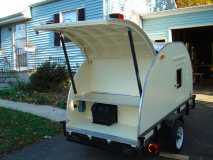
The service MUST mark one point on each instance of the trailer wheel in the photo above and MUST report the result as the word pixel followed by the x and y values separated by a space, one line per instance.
pixel 177 137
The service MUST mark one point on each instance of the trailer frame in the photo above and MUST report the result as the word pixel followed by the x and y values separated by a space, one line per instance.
pixel 177 114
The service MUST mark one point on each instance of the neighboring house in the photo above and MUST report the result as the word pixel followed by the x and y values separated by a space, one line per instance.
pixel 23 49
pixel 160 5
pixel 8 36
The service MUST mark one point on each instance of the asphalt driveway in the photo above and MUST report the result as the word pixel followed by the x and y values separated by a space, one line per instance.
pixel 198 143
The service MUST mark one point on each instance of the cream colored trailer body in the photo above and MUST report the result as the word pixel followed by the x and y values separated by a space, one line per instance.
pixel 108 76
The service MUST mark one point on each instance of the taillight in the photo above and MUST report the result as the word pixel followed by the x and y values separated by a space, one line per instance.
pixel 154 148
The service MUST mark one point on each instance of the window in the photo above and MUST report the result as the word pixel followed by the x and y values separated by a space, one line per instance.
pixel 179 78
pixel 20 36
pixel 65 17
pixel 56 19
pixel 20 45
pixel 69 16
pixel 160 40
pixel 20 31
pixel 81 14
pixel 159 44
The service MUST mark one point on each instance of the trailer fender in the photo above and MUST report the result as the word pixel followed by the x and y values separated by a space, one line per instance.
pixel 193 101
pixel 63 124
pixel 171 119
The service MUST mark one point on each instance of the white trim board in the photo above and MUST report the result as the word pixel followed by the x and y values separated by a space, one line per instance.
pixel 105 9
pixel 178 11
pixel 190 26
pixel 185 27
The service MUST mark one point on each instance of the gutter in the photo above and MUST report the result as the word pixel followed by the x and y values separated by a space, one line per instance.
pixel 16 18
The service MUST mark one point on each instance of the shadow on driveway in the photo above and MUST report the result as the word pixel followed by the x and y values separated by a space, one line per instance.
pixel 199 132
pixel 60 149
pixel 198 143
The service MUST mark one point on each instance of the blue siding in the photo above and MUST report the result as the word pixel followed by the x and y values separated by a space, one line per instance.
pixel 7 51
pixel 45 40
pixel 157 28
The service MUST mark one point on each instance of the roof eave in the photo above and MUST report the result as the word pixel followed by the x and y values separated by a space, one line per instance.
pixel 16 18
pixel 42 3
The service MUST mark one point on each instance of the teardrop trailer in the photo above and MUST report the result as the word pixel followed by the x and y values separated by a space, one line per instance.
pixel 125 92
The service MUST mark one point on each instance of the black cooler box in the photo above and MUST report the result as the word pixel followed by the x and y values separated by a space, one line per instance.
pixel 104 114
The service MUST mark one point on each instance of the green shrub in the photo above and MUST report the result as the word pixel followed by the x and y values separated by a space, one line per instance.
pixel 20 86
pixel 7 93
pixel 49 77
pixel 62 103
pixel 48 86
pixel 41 99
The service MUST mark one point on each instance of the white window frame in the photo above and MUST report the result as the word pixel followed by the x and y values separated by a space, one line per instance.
pixel 66 11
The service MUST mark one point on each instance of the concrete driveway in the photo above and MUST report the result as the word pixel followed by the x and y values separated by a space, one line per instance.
pixel 198 143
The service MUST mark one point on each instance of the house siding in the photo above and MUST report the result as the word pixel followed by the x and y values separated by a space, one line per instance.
pixel 44 42
pixel 158 28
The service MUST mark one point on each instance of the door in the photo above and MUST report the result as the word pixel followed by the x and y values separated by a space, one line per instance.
pixel 20 45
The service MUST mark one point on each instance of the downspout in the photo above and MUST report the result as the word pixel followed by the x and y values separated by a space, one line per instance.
pixel 105 9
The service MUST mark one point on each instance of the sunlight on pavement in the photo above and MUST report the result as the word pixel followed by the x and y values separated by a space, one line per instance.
pixel 204 98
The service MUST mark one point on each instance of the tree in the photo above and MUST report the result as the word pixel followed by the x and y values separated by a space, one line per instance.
pixel 189 3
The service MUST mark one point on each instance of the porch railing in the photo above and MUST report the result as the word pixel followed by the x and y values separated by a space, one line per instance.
pixel 25 60
pixel 21 58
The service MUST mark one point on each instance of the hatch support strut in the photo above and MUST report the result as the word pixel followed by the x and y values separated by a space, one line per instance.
pixel 135 60
pixel 70 72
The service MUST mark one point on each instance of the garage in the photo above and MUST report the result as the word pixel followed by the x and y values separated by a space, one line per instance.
pixel 199 42
pixel 194 27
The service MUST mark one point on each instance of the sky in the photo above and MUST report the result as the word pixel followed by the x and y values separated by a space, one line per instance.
pixel 9 7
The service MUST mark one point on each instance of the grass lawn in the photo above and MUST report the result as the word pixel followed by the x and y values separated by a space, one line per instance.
pixel 18 129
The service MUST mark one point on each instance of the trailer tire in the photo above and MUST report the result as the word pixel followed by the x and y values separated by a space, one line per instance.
pixel 176 137
pixel 193 103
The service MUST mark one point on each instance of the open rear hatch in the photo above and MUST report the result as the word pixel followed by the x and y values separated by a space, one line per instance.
pixel 105 97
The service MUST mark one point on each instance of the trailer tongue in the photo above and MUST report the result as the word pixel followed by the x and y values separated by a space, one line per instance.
pixel 125 91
